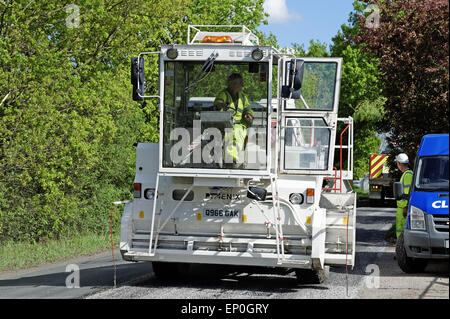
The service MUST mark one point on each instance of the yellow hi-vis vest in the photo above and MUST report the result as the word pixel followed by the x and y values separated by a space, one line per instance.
pixel 400 220
pixel 235 140
pixel 239 110
pixel 406 180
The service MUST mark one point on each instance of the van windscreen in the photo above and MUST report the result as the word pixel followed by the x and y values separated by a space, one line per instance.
pixel 432 174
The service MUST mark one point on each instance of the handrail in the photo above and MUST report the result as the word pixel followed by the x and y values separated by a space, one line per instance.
pixel 340 160
pixel 335 181
pixel 336 178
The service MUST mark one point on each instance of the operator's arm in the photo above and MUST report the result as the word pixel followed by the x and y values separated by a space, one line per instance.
pixel 248 112
pixel 220 102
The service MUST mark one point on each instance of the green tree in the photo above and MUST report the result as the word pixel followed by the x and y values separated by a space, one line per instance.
pixel 361 94
pixel 67 123
pixel 67 120
pixel 411 44
pixel 315 49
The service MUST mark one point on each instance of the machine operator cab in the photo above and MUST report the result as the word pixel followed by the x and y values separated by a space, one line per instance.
pixel 221 97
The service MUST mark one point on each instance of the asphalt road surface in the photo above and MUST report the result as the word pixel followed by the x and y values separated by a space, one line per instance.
pixel 375 276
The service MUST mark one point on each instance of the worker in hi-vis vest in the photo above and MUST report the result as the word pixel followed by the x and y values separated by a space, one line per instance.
pixel 232 99
pixel 406 179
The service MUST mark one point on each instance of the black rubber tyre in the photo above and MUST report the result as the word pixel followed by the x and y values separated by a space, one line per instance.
pixel 167 270
pixel 407 264
pixel 312 276
pixel 383 194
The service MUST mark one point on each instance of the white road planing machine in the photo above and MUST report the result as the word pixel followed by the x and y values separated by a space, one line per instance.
pixel 223 187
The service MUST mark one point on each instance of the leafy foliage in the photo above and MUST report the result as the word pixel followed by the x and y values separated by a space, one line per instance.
pixel 411 44
pixel 67 120
pixel 361 93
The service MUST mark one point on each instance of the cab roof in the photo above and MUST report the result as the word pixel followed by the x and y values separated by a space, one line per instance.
pixel 434 144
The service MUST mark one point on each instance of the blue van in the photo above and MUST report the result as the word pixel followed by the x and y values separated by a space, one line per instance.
pixel 425 235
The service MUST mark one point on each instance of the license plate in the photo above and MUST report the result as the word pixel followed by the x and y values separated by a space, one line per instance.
pixel 221 213
pixel 446 243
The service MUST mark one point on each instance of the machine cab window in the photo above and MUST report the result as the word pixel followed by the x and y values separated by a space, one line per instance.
pixel 215 115
pixel 310 115
pixel 318 87
pixel 307 144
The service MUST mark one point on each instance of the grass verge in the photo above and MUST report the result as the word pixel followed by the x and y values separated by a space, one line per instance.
pixel 360 193
pixel 18 255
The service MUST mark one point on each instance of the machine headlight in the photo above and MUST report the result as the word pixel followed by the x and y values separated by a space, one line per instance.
pixel 257 54
pixel 296 198
pixel 149 193
pixel 172 53
pixel 417 218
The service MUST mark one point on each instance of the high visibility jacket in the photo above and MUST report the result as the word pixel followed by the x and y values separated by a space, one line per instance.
pixel 400 220
pixel 406 180
pixel 235 140
pixel 239 110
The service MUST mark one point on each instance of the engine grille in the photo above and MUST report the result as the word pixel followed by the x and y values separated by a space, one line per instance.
pixel 440 223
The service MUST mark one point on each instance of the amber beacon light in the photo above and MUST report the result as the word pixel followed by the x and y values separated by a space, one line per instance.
pixel 217 39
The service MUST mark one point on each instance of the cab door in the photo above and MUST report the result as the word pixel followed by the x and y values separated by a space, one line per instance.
pixel 309 115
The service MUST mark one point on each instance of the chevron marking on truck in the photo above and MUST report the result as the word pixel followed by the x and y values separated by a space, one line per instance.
pixel 376 165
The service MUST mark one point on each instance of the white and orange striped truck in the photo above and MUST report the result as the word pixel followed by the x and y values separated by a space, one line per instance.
pixel 380 181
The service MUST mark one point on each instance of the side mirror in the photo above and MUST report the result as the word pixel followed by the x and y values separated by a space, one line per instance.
pixel 398 190
pixel 137 78
pixel 295 79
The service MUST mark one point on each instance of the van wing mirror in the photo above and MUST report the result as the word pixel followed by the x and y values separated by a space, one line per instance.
pixel 295 79
pixel 137 78
pixel 398 190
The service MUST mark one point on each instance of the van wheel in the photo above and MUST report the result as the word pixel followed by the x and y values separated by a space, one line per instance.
pixel 312 276
pixel 167 270
pixel 407 264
